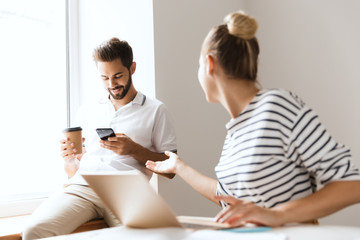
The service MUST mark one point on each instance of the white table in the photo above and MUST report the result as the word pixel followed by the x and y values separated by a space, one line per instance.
pixel 293 232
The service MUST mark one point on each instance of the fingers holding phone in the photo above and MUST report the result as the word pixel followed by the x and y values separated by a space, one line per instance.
pixel 117 142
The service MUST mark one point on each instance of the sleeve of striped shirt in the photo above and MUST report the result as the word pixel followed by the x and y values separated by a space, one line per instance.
pixel 312 147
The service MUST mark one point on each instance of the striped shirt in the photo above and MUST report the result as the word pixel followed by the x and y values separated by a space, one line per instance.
pixel 277 151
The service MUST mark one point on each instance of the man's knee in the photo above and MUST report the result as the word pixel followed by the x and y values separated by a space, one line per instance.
pixel 36 231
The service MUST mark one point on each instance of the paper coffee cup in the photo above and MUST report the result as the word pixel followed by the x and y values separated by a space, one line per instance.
pixel 74 135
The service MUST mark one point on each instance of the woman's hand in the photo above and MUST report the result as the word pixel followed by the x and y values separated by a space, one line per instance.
pixel 239 212
pixel 206 186
pixel 167 166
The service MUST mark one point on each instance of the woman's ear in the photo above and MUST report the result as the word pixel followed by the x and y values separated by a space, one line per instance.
pixel 210 65
pixel 132 68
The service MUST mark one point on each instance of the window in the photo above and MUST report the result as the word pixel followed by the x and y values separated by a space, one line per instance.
pixel 32 96
pixel 33 88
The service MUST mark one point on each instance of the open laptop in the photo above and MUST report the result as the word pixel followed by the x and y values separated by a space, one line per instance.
pixel 135 203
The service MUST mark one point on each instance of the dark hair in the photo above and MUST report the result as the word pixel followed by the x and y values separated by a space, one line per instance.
pixel 113 49
pixel 235 46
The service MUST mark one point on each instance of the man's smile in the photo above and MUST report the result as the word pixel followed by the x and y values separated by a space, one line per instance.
pixel 116 89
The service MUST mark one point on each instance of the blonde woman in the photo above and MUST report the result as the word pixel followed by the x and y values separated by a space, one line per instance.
pixel 278 164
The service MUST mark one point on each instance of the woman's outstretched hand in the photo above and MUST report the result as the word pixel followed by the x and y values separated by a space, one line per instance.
pixel 166 166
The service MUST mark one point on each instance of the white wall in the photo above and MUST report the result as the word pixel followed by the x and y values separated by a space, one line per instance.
pixel 180 27
pixel 313 49
pixel 310 47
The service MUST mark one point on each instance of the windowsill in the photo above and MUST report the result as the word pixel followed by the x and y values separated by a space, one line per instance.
pixel 15 214
pixel 24 206
pixel 11 227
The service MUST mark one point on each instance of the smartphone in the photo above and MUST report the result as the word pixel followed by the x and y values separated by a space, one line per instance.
pixel 105 133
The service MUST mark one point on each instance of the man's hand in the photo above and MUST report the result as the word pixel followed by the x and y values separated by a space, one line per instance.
pixel 71 158
pixel 121 145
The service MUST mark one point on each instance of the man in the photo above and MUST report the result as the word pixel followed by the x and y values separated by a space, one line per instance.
pixel 143 131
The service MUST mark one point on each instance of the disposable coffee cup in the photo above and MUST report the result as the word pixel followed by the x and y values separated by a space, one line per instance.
pixel 74 135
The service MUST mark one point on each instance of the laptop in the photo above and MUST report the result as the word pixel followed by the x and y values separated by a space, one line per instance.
pixel 134 202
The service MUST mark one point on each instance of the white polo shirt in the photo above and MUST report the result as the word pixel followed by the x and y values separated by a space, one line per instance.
pixel 145 120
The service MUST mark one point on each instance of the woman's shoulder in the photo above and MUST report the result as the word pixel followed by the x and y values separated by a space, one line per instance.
pixel 280 96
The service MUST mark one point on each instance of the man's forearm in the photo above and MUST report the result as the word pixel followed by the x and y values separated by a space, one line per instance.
pixel 142 154
pixel 71 166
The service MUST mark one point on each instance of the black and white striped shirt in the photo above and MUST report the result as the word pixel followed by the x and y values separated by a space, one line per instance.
pixel 277 151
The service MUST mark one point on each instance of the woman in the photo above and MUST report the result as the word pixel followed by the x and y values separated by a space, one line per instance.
pixel 277 155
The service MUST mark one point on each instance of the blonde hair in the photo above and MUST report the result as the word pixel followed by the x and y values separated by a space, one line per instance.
pixel 241 25
pixel 235 46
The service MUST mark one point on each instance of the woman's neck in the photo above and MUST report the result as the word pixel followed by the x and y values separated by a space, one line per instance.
pixel 237 94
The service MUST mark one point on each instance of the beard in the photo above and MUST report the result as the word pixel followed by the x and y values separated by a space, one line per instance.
pixel 124 92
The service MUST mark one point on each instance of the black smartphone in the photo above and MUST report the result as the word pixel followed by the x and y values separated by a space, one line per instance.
pixel 105 133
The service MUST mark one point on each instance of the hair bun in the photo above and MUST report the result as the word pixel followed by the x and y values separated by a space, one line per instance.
pixel 241 25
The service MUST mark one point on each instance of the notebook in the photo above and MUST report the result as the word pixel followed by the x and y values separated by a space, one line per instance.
pixel 135 203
